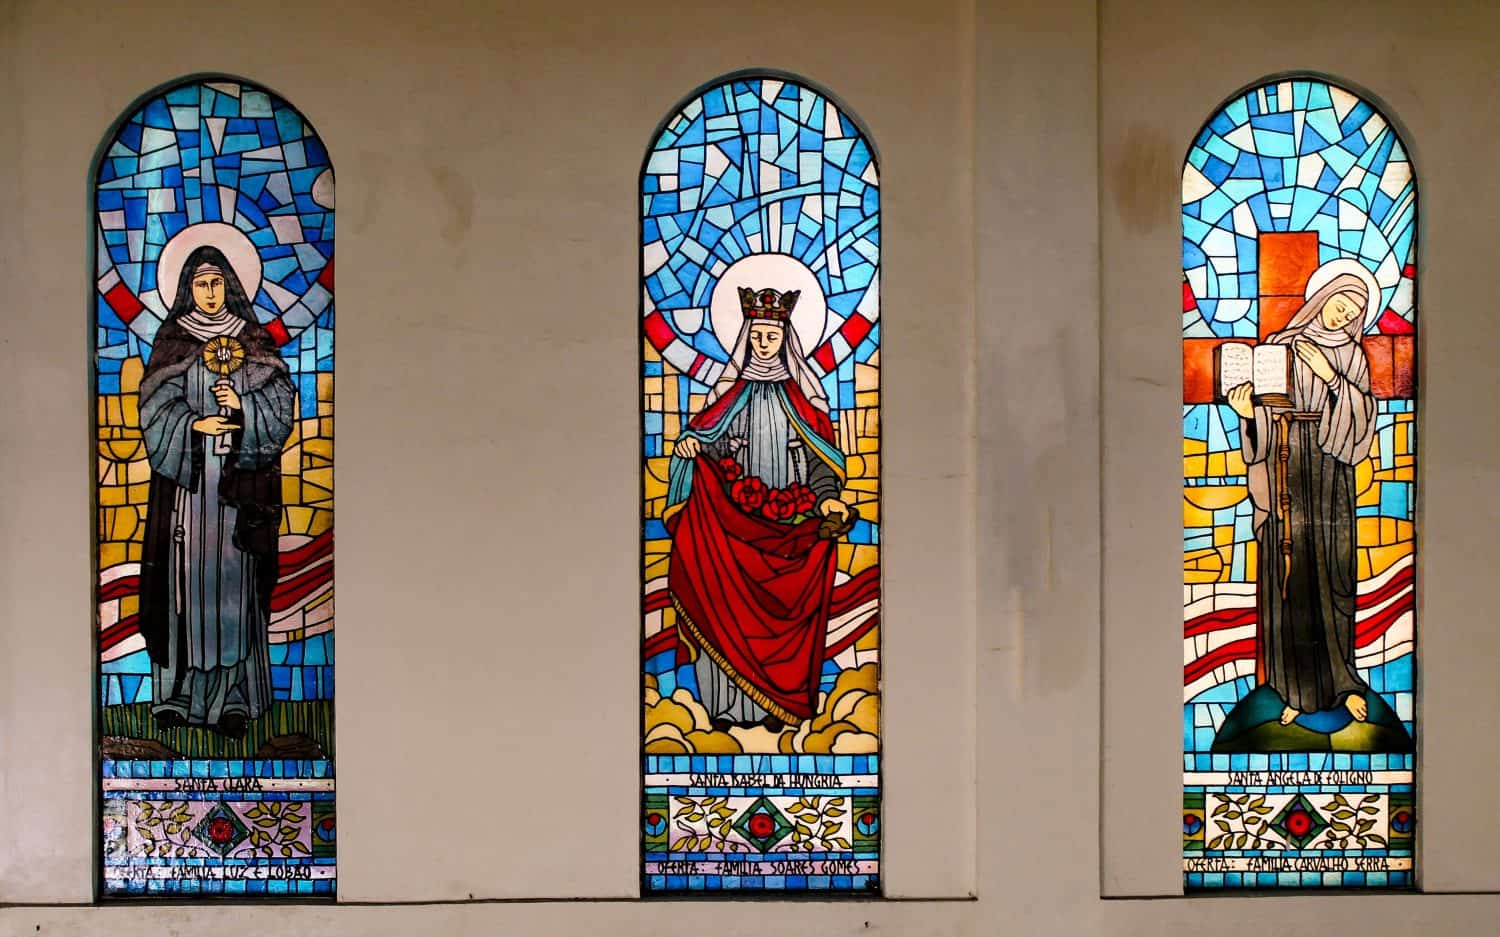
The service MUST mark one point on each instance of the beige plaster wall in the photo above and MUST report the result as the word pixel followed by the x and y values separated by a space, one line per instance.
pixel 1037 311
pixel 467 165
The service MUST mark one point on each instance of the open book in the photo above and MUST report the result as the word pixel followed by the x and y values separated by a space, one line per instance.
pixel 1267 367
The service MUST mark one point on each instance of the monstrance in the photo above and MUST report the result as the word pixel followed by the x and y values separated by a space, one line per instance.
pixel 223 355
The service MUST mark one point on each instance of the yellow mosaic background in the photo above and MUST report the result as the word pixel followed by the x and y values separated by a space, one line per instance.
pixel 123 472
pixel 1382 541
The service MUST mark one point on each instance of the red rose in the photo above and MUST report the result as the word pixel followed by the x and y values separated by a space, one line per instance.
pixel 779 506
pixel 730 468
pixel 791 506
pixel 803 498
pixel 749 493
pixel 761 826
pixel 220 831
pixel 1298 823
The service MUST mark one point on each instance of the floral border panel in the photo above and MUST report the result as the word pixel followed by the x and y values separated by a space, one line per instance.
pixel 772 822
pixel 219 827
pixel 1298 821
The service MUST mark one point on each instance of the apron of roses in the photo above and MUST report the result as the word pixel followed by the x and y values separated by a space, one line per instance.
pixel 751 592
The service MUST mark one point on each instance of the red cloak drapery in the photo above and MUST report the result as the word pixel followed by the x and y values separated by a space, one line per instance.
pixel 753 595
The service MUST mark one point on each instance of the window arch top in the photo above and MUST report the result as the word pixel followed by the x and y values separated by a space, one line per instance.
pixel 756 166
pixel 1296 156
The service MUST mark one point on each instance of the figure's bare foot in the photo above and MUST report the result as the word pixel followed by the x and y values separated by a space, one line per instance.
pixel 1358 708
pixel 1288 715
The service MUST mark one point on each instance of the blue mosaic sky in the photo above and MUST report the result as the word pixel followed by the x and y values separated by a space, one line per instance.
pixel 1293 156
pixel 758 165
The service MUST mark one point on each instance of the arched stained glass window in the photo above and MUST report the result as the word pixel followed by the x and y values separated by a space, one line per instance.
pixel 213 224
pixel 1299 212
pixel 760 302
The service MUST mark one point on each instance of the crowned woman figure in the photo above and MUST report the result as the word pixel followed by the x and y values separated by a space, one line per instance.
pixel 755 512
pixel 216 407
pixel 1300 460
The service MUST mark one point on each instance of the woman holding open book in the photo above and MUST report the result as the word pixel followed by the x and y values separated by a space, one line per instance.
pixel 1300 451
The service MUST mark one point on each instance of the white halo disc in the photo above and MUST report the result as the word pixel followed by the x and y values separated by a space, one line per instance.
pixel 1325 274
pixel 780 272
pixel 235 244
pixel 322 189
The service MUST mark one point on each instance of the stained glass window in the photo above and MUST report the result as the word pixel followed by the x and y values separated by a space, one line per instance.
pixel 1299 211
pixel 760 254
pixel 213 313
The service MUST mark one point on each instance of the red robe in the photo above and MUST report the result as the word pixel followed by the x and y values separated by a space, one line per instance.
pixel 751 593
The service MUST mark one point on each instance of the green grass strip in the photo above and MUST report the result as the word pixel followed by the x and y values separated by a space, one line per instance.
pixel 313 718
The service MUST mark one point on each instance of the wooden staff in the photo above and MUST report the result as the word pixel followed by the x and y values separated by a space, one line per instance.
pixel 1284 421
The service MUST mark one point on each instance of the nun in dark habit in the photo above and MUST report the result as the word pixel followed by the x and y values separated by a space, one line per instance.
pixel 1300 461
pixel 216 407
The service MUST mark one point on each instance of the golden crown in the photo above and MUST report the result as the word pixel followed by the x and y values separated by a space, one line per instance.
pixel 768 304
